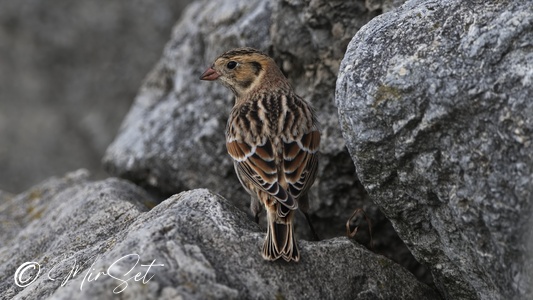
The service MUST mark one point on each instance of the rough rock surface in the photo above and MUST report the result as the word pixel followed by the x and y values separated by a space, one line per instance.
pixel 66 218
pixel 68 73
pixel 435 104
pixel 173 137
pixel 195 245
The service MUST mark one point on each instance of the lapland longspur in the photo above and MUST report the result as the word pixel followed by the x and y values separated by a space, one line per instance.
pixel 273 137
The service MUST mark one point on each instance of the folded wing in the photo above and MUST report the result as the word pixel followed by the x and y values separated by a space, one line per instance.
pixel 257 164
pixel 300 161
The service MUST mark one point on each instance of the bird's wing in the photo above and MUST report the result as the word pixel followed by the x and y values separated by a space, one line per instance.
pixel 256 164
pixel 300 162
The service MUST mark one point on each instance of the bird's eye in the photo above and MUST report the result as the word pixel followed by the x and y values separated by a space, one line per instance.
pixel 231 65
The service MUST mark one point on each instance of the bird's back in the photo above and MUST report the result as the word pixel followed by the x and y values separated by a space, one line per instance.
pixel 278 123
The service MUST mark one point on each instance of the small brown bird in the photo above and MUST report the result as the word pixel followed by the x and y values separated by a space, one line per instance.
pixel 273 137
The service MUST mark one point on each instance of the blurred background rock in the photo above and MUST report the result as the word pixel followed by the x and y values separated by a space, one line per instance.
pixel 69 71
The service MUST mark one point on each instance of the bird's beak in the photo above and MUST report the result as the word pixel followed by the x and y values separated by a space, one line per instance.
pixel 209 74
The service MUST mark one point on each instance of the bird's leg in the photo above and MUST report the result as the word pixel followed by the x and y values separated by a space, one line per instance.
pixel 315 236
pixel 303 204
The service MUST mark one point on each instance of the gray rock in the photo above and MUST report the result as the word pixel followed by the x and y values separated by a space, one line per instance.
pixel 69 72
pixel 435 104
pixel 173 137
pixel 60 222
pixel 195 245
pixel 383 5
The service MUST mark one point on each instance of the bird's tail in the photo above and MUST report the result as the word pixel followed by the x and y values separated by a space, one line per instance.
pixel 280 240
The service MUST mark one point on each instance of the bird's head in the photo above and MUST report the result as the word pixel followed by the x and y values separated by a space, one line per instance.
pixel 245 70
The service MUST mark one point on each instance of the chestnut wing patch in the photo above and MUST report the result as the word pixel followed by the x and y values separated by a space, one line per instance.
pixel 257 164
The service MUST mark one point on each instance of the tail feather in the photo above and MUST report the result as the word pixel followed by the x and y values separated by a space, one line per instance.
pixel 280 240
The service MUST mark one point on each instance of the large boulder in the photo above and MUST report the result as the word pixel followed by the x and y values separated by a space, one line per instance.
pixel 96 240
pixel 173 137
pixel 435 105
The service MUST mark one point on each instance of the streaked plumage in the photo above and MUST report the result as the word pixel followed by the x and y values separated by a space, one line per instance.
pixel 273 137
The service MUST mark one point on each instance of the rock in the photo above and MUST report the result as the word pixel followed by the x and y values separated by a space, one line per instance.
pixel 173 137
pixel 62 221
pixel 9 222
pixel 383 5
pixel 67 78
pixel 195 245
pixel 435 104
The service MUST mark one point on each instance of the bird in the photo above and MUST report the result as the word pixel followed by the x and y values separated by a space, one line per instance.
pixel 273 137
